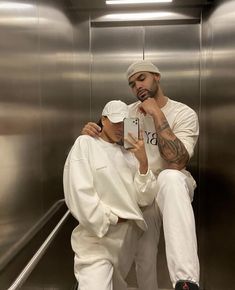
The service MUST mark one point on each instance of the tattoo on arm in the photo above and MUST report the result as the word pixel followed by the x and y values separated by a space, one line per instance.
pixel 171 148
pixel 163 126
pixel 172 151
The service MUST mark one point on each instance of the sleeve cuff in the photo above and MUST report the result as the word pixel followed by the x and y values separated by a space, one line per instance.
pixel 143 176
pixel 113 218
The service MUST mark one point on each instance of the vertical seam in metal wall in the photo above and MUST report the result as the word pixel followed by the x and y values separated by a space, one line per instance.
pixel 143 39
pixel 200 82
pixel 199 117
pixel 74 71
pixel 200 67
pixel 40 99
pixel 90 66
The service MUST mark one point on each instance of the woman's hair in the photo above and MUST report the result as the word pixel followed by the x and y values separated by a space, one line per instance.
pixel 99 123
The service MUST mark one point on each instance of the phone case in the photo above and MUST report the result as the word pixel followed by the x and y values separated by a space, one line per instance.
pixel 131 125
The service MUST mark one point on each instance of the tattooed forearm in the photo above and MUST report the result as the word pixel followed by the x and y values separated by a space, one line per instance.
pixel 173 151
pixel 163 126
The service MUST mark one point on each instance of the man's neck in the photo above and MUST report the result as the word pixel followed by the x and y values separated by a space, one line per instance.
pixel 161 99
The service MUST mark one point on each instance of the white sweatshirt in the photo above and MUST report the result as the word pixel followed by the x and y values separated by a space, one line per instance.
pixel 102 183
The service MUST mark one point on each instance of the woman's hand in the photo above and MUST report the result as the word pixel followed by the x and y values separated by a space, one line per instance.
pixel 139 151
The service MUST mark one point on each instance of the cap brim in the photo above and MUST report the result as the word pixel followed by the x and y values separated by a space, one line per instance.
pixel 116 119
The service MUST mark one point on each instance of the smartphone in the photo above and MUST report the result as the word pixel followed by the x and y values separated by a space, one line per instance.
pixel 131 125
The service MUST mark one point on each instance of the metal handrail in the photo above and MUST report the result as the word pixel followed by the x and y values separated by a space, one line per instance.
pixel 17 247
pixel 22 277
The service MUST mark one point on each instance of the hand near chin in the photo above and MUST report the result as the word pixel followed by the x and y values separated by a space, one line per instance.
pixel 148 106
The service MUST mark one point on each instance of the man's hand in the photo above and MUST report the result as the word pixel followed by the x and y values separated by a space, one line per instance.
pixel 91 129
pixel 149 106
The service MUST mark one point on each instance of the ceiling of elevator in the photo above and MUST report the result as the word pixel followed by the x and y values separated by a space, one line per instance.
pixel 100 4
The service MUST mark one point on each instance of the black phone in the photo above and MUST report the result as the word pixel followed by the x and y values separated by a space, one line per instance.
pixel 131 125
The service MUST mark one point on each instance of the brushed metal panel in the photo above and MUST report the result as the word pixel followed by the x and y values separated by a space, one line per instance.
pixel 56 91
pixel 20 199
pixel 217 147
pixel 113 49
pixel 175 50
pixel 38 78
pixel 55 269
pixel 82 68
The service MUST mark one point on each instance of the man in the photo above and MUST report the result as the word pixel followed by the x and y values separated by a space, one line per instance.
pixel 170 135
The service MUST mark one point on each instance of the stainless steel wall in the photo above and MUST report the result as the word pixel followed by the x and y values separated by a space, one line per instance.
pixel 217 186
pixel 112 49
pixel 57 72
pixel 176 51
pixel 42 77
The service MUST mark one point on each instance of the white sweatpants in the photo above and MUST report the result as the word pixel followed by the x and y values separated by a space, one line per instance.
pixel 103 263
pixel 172 208
pixel 97 275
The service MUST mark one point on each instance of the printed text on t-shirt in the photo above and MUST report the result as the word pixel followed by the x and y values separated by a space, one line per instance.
pixel 151 138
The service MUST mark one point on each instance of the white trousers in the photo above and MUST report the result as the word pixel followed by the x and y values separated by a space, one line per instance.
pixel 97 275
pixel 173 209
pixel 103 263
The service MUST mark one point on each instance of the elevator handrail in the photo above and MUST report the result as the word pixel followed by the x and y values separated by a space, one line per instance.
pixel 15 249
pixel 22 277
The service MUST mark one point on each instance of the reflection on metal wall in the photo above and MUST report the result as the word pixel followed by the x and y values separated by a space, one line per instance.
pixel 82 68
pixel 217 148
pixel 56 73
pixel 113 49
pixel 20 122
pixel 39 113
pixel 176 50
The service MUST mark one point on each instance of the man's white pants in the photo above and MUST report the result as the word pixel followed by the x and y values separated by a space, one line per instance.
pixel 172 208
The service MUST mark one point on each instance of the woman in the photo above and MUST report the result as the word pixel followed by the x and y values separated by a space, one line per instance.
pixel 104 185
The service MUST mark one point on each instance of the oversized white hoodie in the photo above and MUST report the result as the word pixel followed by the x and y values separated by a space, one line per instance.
pixel 102 183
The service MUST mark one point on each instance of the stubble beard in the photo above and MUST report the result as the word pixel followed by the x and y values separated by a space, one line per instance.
pixel 151 93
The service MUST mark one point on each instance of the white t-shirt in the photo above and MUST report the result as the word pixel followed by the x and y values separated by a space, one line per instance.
pixel 182 120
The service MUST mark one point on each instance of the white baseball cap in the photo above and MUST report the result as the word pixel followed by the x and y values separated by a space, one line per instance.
pixel 116 111
pixel 141 65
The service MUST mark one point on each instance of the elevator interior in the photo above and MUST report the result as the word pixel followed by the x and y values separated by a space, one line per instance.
pixel 61 61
